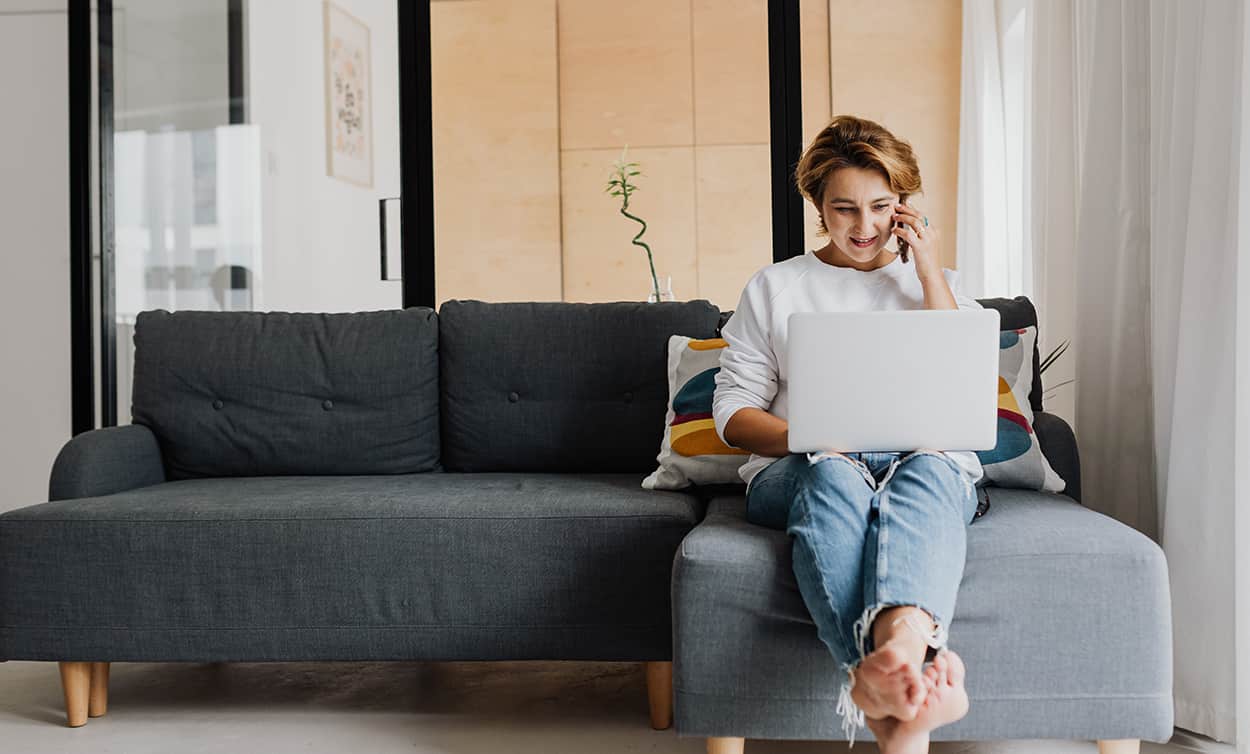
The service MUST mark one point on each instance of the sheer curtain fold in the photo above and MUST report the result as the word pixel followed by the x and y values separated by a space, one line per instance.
pixel 1053 156
pixel 1111 264
pixel 981 205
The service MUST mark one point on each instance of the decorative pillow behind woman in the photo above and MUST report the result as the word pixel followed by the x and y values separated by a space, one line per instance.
pixel 879 539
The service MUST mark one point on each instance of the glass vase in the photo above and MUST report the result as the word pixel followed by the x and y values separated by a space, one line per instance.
pixel 666 290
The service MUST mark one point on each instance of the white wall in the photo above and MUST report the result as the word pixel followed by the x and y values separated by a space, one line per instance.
pixel 320 249
pixel 171 65
pixel 34 245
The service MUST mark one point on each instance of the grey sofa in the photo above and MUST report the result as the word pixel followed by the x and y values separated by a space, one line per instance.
pixel 465 486
pixel 376 486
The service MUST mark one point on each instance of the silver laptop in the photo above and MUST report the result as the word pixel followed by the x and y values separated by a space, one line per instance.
pixel 893 380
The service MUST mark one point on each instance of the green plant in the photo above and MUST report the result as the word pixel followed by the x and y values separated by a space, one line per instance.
pixel 1050 359
pixel 619 185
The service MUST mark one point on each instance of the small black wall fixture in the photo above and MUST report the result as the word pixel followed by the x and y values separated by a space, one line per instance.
pixel 785 100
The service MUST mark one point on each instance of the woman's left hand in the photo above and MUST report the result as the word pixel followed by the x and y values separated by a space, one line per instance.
pixel 921 238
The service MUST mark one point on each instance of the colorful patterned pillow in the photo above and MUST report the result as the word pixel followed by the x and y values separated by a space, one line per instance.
pixel 692 452
pixel 1017 460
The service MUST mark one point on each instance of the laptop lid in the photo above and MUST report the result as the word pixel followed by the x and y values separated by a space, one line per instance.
pixel 893 380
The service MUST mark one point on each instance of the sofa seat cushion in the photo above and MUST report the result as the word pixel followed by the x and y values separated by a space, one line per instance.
pixel 1062 618
pixel 420 566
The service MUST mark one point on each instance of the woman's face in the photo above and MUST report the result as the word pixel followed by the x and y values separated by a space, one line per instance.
pixel 858 207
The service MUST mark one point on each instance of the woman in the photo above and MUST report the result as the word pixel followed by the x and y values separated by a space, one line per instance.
pixel 878 538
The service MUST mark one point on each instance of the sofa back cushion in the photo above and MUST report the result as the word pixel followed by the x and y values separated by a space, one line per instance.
pixel 250 393
pixel 558 386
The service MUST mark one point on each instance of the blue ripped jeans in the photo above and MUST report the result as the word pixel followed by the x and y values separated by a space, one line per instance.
pixel 869 531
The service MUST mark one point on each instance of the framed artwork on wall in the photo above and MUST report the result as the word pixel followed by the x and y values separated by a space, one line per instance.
pixel 349 98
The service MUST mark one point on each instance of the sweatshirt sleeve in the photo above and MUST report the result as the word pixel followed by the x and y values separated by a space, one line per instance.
pixel 748 366
pixel 962 300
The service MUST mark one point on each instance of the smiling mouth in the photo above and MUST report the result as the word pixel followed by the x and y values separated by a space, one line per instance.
pixel 864 243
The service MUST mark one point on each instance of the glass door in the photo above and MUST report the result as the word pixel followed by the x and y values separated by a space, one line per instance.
pixel 253 147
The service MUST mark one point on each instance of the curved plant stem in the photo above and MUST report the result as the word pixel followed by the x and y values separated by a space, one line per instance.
pixel 619 185
pixel 655 282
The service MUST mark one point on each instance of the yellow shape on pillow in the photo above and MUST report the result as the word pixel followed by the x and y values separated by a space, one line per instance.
pixel 699 438
pixel 1005 398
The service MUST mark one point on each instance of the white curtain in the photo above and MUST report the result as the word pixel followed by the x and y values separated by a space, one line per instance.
pixel 983 206
pixel 1136 189
pixel 1051 208
pixel 1241 402
pixel 1195 130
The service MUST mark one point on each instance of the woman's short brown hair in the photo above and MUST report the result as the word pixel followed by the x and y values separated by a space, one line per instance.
pixel 851 142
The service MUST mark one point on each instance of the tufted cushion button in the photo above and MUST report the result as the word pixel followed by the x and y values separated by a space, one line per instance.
pixel 218 404
pixel 513 397
pixel 629 397
pixel 327 404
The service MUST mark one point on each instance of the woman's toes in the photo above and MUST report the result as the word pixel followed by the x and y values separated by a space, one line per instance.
pixel 957 669
pixel 917 691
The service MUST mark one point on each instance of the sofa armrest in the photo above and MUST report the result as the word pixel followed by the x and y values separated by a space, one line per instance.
pixel 104 461
pixel 1059 446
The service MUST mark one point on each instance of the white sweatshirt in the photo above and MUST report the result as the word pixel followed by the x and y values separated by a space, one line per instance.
pixel 752 368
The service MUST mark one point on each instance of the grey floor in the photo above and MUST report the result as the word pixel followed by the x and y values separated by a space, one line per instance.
pixel 368 708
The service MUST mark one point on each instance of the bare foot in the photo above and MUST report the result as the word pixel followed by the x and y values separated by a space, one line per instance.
pixel 889 684
pixel 946 701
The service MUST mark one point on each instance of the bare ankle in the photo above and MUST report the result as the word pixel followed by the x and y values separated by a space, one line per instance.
pixel 904 743
pixel 901 624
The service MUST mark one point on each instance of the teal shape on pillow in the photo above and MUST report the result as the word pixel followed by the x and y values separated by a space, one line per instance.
pixel 695 397
pixel 1013 442
pixel 1007 339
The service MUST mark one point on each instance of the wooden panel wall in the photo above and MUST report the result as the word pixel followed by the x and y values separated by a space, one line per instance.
pixel 535 99
pixel 898 63
pixel 496 150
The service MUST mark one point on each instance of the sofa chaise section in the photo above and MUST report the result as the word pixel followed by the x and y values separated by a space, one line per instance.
pixel 1063 619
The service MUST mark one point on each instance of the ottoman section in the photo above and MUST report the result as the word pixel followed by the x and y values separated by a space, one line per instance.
pixel 1063 619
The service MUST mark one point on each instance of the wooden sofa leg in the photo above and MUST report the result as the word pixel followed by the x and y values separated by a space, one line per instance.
pixel 660 694
pixel 1120 746
pixel 725 745
pixel 99 702
pixel 76 682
